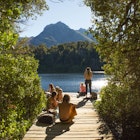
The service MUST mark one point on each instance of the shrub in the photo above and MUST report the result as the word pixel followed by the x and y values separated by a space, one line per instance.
pixel 119 111
pixel 21 95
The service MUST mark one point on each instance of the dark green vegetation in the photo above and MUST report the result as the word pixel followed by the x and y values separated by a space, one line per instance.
pixel 118 33
pixel 21 96
pixel 67 58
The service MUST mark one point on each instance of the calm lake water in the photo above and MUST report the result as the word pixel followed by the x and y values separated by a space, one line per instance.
pixel 71 82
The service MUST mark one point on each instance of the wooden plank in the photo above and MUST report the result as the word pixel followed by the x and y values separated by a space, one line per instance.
pixel 85 126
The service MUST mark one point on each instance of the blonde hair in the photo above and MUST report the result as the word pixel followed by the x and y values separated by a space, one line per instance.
pixel 88 69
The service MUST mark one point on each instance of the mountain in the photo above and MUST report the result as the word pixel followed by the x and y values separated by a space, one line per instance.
pixel 86 33
pixel 59 33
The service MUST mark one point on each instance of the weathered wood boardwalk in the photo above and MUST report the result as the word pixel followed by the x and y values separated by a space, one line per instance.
pixel 85 126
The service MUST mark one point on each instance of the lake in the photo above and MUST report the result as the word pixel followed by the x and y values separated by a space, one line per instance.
pixel 70 82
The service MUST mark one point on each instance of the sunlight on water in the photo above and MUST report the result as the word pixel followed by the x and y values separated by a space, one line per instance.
pixel 71 82
pixel 98 84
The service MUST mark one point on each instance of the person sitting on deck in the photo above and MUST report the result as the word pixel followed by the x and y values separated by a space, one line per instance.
pixel 82 89
pixel 59 94
pixel 50 90
pixel 67 110
pixel 52 103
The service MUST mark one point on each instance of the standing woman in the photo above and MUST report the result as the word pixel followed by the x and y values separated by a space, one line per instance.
pixel 88 77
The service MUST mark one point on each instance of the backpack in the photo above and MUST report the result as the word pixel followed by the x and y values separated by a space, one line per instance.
pixel 46 118
pixel 94 95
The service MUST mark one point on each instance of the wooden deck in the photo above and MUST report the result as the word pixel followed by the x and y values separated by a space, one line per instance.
pixel 85 126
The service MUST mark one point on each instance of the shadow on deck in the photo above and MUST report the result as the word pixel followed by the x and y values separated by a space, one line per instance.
pixel 84 127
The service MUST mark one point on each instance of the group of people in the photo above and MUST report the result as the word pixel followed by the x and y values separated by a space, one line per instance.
pixel 57 89
pixel 56 99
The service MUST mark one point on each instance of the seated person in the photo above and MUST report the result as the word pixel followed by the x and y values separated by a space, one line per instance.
pixel 59 94
pixel 50 90
pixel 82 89
pixel 52 103
pixel 67 110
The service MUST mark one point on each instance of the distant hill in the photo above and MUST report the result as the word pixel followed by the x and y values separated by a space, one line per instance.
pixel 86 33
pixel 59 33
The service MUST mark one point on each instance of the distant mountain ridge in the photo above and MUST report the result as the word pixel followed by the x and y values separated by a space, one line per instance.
pixel 59 33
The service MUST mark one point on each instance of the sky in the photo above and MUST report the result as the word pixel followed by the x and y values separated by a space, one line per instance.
pixel 73 13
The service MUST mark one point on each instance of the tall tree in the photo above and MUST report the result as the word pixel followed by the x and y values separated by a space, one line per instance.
pixel 117 29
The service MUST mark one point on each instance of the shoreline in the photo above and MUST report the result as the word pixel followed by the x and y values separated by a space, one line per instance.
pixel 97 72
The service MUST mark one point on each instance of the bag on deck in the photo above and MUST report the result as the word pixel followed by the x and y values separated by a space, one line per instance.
pixel 94 95
pixel 46 118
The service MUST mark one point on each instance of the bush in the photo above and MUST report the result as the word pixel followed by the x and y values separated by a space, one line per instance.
pixel 21 95
pixel 119 111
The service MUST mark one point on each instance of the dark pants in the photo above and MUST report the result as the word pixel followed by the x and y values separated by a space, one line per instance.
pixel 88 84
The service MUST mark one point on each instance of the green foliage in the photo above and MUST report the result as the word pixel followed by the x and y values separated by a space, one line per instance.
pixel 22 98
pixel 68 58
pixel 117 32
pixel 11 14
pixel 123 105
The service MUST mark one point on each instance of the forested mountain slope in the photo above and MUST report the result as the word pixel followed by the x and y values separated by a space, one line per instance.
pixel 67 58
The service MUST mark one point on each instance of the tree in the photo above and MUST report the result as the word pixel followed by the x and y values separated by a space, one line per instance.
pixel 68 57
pixel 117 32
pixel 14 12
pixel 21 95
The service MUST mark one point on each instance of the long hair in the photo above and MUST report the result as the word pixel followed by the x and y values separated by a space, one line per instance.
pixel 88 69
